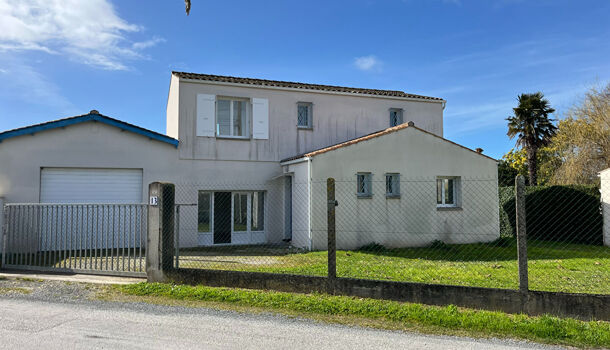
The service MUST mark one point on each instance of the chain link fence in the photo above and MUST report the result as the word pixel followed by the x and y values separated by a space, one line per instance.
pixel 439 230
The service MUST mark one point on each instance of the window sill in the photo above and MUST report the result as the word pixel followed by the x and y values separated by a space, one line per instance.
pixel 305 128
pixel 232 137
pixel 392 196
pixel 364 196
pixel 449 208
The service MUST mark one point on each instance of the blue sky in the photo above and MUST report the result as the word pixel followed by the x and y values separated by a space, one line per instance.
pixel 64 57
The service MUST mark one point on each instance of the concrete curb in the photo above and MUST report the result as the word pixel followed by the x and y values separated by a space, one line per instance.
pixel 77 278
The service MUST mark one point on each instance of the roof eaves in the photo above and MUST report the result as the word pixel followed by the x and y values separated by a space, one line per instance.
pixel 302 86
pixel 61 123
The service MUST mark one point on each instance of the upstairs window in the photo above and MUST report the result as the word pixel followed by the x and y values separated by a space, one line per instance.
pixel 232 118
pixel 447 191
pixel 392 185
pixel 395 116
pixel 364 184
pixel 305 115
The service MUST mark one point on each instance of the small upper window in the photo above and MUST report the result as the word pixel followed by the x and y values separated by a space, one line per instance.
pixel 232 118
pixel 447 190
pixel 305 115
pixel 363 184
pixel 392 185
pixel 395 116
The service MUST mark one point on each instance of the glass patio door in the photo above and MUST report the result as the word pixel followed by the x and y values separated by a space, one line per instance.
pixel 241 212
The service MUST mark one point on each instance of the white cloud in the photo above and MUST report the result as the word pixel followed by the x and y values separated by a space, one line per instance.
pixel 89 31
pixel 29 87
pixel 367 63
pixel 148 43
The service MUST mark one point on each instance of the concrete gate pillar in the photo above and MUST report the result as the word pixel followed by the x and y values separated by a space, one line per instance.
pixel 160 248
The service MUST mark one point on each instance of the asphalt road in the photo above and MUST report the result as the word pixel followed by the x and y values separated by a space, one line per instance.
pixel 26 323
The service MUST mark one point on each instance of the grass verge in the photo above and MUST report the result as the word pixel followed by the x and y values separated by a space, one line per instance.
pixel 10 290
pixel 385 314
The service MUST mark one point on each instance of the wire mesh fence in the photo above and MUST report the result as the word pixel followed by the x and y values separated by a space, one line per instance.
pixel 437 230
pixel 243 227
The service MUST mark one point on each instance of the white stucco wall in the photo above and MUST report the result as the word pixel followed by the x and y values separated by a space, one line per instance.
pixel 413 219
pixel 336 118
pixel 96 145
pixel 173 108
pixel 300 203
pixel 605 197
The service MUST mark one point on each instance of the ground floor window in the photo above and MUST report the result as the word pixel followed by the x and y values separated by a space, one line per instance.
pixel 258 211
pixel 240 212
pixel 447 191
pixel 244 213
pixel 204 205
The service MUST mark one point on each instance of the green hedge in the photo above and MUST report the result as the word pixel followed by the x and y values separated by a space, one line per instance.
pixel 556 213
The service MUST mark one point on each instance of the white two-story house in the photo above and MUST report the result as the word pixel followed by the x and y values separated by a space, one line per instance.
pixel 250 159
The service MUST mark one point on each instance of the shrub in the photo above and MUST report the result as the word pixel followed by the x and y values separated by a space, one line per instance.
pixel 555 213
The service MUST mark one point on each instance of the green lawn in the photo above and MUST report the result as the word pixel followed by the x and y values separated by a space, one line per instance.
pixel 379 313
pixel 560 267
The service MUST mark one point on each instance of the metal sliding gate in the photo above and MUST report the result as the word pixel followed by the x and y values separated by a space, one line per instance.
pixel 83 238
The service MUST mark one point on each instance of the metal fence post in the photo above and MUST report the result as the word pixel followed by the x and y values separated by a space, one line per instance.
pixel 177 237
pixel 521 233
pixel 332 239
pixel 3 233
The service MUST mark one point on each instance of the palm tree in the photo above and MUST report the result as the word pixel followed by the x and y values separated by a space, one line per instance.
pixel 534 128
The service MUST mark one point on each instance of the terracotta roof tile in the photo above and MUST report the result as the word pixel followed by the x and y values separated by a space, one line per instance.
pixel 304 86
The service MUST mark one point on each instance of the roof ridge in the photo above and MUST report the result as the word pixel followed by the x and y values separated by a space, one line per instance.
pixel 298 85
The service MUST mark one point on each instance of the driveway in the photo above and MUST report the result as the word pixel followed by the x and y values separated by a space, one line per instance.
pixel 59 315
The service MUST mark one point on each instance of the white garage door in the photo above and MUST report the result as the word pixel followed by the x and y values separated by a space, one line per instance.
pixel 75 185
